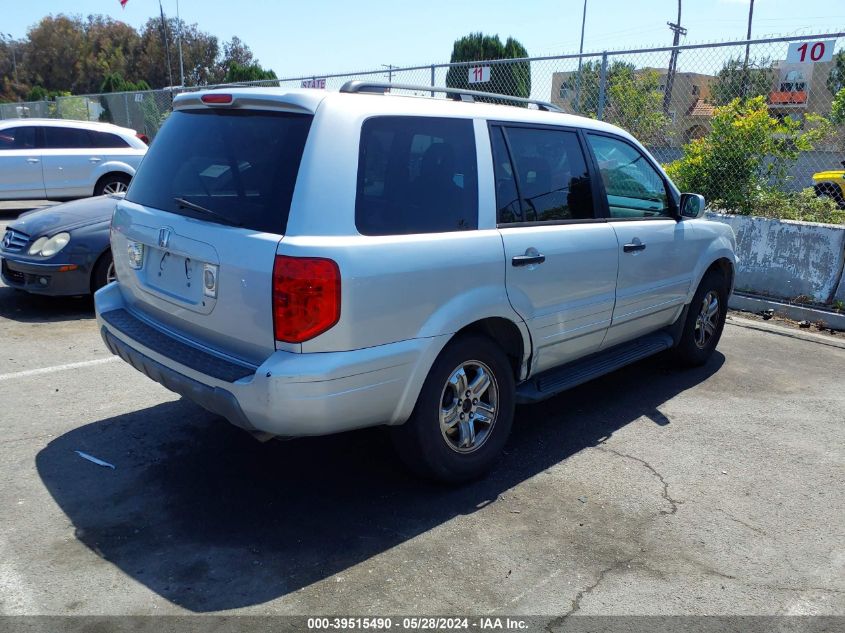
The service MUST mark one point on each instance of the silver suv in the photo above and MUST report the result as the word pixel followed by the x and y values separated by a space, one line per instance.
pixel 306 262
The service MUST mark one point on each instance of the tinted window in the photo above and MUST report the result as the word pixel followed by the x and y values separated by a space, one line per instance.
pixel 19 138
pixel 239 164
pixel 635 189
pixel 416 175
pixel 507 198
pixel 66 138
pixel 552 177
pixel 106 140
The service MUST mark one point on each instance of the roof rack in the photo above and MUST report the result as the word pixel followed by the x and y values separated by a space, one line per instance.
pixel 458 94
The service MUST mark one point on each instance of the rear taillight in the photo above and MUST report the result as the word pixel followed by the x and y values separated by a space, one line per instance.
pixel 143 137
pixel 306 297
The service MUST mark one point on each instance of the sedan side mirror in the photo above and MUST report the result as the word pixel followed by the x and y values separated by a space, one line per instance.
pixel 692 205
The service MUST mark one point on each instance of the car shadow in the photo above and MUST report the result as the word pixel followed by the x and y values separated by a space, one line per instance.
pixel 210 519
pixel 17 305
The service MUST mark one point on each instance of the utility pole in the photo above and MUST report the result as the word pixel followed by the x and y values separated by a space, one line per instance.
pixel 181 62
pixel 166 46
pixel 678 30
pixel 747 51
pixel 390 68
pixel 580 59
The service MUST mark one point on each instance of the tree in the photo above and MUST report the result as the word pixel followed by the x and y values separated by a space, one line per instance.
pixel 733 81
pixel 837 109
pixel 252 72
pixel 55 53
pixel 199 50
pixel 589 84
pixel 745 155
pixel 635 103
pixel 508 79
pixel 110 48
pixel 836 78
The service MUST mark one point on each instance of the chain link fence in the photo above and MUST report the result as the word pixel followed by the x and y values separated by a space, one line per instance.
pixel 677 101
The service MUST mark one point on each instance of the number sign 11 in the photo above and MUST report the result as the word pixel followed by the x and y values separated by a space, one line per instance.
pixel 810 52
pixel 479 74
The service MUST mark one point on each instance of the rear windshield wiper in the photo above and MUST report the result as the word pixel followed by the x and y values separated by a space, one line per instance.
pixel 193 206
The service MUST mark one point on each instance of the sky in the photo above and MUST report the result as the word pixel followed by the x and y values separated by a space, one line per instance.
pixel 326 36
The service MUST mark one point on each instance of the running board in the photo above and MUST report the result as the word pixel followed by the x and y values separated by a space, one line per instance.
pixel 553 381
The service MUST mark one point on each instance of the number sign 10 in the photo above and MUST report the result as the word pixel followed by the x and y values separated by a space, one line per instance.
pixel 810 52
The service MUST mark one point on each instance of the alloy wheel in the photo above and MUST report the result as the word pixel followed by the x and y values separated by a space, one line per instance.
pixel 469 406
pixel 707 321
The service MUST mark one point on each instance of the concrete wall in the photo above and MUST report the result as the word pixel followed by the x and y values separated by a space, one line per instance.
pixel 785 259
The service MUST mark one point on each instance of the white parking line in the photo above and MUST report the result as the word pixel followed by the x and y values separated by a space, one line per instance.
pixel 49 370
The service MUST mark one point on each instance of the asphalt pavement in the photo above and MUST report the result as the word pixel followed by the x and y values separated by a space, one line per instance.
pixel 717 490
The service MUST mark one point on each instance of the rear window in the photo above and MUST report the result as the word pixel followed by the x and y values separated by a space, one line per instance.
pixel 104 140
pixel 240 166
pixel 416 175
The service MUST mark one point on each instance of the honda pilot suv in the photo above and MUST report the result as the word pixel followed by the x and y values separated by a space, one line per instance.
pixel 305 262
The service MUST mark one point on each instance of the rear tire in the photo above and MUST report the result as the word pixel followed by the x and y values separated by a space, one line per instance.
pixel 112 183
pixel 704 322
pixel 463 415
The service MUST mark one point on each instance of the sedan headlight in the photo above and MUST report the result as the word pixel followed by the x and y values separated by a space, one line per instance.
pixel 47 247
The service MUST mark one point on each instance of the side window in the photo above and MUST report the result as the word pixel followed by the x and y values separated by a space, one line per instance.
pixel 416 175
pixel 507 197
pixel 552 176
pixel 67 138
pixel 24 137
pixel 105 140
pixel 635 189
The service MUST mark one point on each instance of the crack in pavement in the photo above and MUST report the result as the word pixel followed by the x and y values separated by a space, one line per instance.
pixel 741 522
pixel 673 503
pixel 576 601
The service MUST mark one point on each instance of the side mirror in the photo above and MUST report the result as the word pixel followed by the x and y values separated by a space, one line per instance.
pixel 692 205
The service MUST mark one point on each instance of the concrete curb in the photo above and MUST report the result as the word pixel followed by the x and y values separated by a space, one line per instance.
pixel 796 313
pixel 783 330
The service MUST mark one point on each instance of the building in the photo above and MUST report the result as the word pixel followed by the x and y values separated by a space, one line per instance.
pixel 689 108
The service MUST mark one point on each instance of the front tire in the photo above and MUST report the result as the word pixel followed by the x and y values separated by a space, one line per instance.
pixel 705 321
pixel 463 415
pixel 103 272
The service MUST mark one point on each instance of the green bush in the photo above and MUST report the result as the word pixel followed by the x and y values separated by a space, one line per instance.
pixel 745 155
pixel 797 205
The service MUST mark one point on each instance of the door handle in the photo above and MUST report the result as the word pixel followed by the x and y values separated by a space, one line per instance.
pixel 32 161
pixel 528 260
pixel 95 160
pixel 630 248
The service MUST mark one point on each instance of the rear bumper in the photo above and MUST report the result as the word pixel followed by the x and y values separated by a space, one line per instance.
pixel 289 394
pixel 46 279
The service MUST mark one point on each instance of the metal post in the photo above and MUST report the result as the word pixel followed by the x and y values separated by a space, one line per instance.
pixel 181 63
pixel 166 47
pixel 747 51
pixel 432 79
pixel 580 59
pixel 678 30
pixel 602 86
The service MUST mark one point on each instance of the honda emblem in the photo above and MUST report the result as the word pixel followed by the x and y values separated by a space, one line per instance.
pixel 164 237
